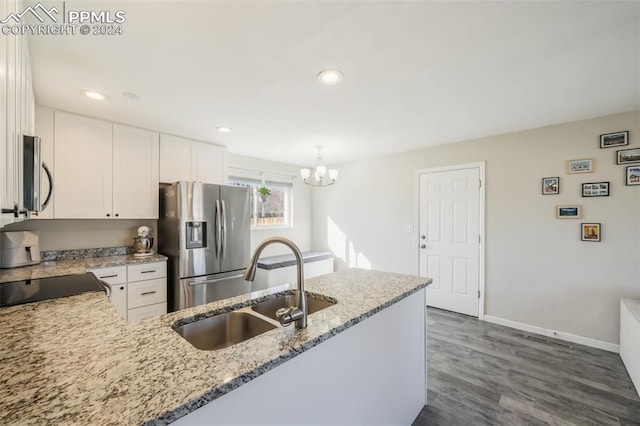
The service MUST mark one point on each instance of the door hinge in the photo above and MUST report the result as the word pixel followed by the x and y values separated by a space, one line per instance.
pixel 478 239
pixel 478 294
pixel 480 183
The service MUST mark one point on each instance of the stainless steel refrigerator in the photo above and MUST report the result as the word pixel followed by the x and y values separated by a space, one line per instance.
pixel 204 230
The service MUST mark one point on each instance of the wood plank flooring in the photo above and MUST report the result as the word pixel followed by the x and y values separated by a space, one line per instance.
pixel 486 374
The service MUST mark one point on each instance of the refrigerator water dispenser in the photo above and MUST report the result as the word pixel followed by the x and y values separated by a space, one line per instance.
pixel 196 235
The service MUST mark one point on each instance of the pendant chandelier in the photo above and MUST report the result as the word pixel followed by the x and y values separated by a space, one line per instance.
pixel 318 176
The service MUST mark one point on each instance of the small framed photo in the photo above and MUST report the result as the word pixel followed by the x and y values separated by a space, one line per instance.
pixel 610 140
pixel 568 212
pixel 590 232
pixel 595 189
pixel 550 185
pixel 626 156
pixel 633 175
pixel 583 165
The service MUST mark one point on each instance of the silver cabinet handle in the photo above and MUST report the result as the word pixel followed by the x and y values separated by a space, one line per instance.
pixel 148 272
pixel 148 292
pixel 108 276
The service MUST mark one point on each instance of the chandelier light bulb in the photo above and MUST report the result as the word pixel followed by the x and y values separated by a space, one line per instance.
pixel 321 171
pixel 316 176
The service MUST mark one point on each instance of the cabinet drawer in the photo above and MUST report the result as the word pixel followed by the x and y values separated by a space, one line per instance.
pixel 143 293
pixel 138 314
pixel 147 271
pixel 111 275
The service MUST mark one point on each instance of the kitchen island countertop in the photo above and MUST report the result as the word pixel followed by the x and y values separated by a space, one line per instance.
pixel 75 361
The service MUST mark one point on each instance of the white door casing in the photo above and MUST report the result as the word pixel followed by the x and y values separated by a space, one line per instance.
pixel 450 228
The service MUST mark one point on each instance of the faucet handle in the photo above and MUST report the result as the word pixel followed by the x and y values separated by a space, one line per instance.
pixel 288 315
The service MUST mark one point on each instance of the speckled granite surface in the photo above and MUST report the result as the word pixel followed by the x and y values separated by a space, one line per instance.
pixel 74 361
pixel 82 253
pixel 72 266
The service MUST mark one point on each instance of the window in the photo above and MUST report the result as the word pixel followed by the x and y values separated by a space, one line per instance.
pixel 271 210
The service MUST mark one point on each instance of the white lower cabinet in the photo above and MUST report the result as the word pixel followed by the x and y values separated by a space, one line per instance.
pixel 138 291
pixel 116 277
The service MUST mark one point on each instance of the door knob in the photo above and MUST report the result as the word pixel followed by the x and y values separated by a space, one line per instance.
pixel 423 237
pixel 423 246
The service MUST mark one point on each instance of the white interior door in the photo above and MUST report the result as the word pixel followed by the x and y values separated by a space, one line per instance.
pixel 450 217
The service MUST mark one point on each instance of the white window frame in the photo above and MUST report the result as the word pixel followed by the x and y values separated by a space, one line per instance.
pixel 256 183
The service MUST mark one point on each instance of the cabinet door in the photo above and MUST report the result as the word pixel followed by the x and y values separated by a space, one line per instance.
pixel 119 298
pixel 11 153
pixel 83 173
pixel 135 173
pixel 6 202
pixel 211 163
pixel 177 159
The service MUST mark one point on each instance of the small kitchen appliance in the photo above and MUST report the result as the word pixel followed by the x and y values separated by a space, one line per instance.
pixel 143 243
pixel 19 248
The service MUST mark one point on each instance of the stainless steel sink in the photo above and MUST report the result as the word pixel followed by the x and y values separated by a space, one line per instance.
pixel 268 308
pixel 223 330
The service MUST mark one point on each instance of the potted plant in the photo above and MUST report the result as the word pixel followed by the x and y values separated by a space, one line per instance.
pixel 264 191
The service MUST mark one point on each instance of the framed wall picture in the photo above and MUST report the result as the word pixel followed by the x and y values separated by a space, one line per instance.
pixel 595 189
pixel 568 212
pixel 550 185
pixel 633 175
pixel 610 140
pixel 626 156
pixel 583 165
pixel 590 232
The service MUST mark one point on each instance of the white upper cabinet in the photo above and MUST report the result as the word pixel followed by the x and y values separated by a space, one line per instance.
pixel 136 156
pixel 185 159
pixel 83 167
pixel 104 170
pixel 212 163
pixel 177 159
pixel 16 113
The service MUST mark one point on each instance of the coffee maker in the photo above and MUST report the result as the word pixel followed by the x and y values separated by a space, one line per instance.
pixel 143 243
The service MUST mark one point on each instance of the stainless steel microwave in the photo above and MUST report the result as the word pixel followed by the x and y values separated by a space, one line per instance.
pixel 32 177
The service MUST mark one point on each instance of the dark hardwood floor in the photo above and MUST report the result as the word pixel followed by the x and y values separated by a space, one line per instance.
pixel 486 374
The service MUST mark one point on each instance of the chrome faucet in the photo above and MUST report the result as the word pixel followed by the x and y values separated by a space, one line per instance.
pixel 286 316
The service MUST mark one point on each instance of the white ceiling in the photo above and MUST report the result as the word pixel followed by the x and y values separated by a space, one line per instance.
pixel 416 74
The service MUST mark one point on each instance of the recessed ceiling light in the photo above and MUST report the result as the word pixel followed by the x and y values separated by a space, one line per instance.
pixel 131 96
pixel 94 95
pixel 224 129
pixel 330 76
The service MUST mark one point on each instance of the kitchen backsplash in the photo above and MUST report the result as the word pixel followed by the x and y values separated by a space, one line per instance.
pixel 48 256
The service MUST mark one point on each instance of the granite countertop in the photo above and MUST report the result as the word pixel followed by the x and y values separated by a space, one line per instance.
pixel 75 361
pixel 72 266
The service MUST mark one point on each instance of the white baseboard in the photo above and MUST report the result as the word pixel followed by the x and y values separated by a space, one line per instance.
pixel 568 337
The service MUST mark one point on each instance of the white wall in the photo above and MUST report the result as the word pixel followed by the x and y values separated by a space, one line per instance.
pixel 300 233
pixel 69 234
pixel 538 272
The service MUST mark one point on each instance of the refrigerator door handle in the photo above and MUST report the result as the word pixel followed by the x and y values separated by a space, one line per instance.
pixel 196 283
pixel 218 230
pixel 224 230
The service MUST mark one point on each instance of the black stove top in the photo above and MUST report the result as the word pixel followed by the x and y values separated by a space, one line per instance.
pixel 19 292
